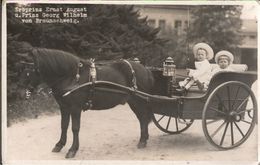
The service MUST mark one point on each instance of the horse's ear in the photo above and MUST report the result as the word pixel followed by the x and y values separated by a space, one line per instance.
pixel 15 37
pixel 27 63
pixel 25 56
pixel 19 66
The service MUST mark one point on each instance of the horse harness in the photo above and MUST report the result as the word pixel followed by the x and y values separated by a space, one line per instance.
pixel 93 77
pixel 133 81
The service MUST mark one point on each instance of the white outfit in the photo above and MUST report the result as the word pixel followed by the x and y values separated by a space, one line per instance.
pixel 202 73
pixel 218 69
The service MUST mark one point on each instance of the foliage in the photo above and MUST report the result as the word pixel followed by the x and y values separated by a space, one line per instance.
pixel 42 103
pixel 216 25
pixel 118 31
pixel 109 32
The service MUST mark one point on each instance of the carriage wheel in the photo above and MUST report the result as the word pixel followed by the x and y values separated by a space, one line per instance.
pixel 171 125
pixel 229 115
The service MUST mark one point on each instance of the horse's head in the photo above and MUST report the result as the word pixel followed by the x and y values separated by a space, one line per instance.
pixel 29 78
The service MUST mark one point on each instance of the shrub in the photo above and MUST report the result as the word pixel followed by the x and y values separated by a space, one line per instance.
pixel 38 104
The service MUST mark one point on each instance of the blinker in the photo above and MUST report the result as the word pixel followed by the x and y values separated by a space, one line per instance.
pixel 80 65
pixel 136 60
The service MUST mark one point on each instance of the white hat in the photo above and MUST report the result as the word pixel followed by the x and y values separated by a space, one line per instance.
pixel 224 53
pixel 206 47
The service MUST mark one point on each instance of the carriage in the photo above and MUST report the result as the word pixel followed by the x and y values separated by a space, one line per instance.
pixel 228 103
pixel 227 109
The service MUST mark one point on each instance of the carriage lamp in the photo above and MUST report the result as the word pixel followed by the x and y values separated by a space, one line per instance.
pixel 93 72
pixel 136 60
pixel 169 67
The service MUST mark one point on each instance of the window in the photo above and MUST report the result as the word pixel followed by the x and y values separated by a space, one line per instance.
pixel 252 37
pixel 186 25
pixel 151 23
pixel 162 24
pixel 177 24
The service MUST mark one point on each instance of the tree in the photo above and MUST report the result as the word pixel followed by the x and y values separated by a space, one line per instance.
pixel 109 32
pixel 216 25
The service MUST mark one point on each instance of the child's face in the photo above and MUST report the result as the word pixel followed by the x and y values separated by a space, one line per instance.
pixel 201 55
pixel 223 62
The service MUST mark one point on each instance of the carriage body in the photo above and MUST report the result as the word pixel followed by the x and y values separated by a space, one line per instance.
pixel 223 107
pixel 191 105
pixel 228 108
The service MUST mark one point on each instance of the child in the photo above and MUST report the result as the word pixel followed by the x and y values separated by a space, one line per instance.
pixel 224 59
pixel 201 75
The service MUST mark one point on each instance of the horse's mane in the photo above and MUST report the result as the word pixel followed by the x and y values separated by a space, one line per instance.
pixel 55 62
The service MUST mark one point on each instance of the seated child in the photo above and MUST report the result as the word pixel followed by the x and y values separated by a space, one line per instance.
pixel 201 75
pixel 224 59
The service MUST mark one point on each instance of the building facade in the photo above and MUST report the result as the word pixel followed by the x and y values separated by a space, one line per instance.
pixel 177 18
pixel 166 17
pixel 248 48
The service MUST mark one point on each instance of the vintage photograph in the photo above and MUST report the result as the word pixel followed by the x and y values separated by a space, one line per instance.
pixel 130 81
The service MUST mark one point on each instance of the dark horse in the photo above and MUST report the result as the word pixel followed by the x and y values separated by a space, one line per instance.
pixel 58 69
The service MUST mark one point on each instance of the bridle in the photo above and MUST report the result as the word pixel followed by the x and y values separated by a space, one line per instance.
pixel 32 68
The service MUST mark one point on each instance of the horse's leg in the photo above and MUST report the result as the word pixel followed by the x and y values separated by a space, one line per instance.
pixel 144 133
pixel 65 119
pixel 144 116
pixel 75 116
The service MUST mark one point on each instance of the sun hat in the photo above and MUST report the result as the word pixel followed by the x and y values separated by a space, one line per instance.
pixel 224 53
pixel 204 46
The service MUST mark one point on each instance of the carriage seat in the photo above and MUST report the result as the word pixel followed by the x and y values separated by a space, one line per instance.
pixel 236 67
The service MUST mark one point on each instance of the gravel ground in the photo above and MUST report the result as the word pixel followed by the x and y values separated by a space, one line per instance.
pixel 113 135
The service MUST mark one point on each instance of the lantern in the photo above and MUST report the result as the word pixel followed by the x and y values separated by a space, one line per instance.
pixel 93 72
pixel 169 67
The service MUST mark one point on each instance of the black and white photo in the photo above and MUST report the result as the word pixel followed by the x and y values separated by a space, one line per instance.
pixel 129 81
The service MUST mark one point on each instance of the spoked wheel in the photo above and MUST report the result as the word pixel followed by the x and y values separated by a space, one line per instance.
pixel 171 125
pixel 229 115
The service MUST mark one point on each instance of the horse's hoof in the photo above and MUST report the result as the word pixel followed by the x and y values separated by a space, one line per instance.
pixel 57 148
pixel 141 145
pixel 71 154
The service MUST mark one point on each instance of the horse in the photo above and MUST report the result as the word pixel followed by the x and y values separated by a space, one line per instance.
pixel 63 71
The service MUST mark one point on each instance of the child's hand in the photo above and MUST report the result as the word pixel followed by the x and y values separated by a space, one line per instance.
pixel 188 71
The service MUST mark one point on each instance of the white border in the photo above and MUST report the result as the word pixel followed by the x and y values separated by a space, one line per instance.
pixel 258 85
pixel 4 87
pixel 127 162
pixel 148 2
pixel 97 162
